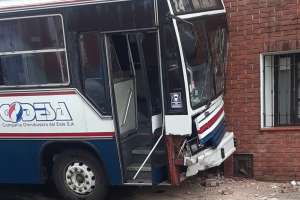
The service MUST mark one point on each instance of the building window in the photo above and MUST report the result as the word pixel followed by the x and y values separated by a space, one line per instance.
pixel 33 52
pixel 281 95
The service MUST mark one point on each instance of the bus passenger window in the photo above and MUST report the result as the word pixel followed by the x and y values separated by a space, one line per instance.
pixel 121 69
pixel 32 52
pixel 93 73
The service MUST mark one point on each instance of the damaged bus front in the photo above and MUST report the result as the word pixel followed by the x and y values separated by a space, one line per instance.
pixel 195 125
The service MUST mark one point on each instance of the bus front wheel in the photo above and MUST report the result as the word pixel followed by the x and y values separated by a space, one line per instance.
pixel 78 175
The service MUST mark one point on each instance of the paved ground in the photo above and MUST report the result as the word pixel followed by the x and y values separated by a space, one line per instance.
pixel 230 189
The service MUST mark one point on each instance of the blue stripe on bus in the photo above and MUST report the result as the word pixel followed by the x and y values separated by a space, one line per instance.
pixel 214 137
pixel 21 160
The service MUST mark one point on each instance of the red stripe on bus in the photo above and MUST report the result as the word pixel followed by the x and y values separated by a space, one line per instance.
pixel 57 135
pixel 211 122
pixel 23 94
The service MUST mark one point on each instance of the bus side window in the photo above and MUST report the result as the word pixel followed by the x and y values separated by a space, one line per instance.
pixel 173 69
pixel 93 71
pixel 32 52
pixel 171 58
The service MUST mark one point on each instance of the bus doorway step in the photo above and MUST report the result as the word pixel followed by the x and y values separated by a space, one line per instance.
pixel 144 177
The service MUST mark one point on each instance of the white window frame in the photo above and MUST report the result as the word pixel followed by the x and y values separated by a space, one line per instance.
pixel 40 51
pixel 262 86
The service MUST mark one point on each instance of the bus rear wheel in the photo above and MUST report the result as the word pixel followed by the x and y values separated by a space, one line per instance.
pixel 79 176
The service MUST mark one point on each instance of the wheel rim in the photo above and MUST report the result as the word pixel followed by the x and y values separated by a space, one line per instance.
pixel 80 178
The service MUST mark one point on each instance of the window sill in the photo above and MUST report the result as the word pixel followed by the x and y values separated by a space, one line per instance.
pixel 283 128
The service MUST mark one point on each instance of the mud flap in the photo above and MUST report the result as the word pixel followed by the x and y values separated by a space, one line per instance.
pixel 210 158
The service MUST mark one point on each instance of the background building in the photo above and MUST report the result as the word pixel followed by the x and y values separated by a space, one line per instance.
pixel 263 88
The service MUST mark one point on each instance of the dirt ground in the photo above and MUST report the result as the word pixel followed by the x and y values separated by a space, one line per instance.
pixel 230 189
pixel 191 189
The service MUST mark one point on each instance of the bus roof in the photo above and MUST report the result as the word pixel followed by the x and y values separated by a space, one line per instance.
pixel 23 5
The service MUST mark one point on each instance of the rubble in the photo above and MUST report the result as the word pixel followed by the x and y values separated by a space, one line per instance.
pixel 191 189
pixel 288 188
pixel 294 183
pixel 228 187
pixel 226 191
pixel 213 180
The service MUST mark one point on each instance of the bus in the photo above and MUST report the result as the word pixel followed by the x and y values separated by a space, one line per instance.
pixel 99 93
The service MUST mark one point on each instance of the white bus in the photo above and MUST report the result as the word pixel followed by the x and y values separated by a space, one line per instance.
pixel 96 93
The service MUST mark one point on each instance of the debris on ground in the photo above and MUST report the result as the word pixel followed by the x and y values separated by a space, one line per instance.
pixel 192 189
pixel 219 188
pixel 226 191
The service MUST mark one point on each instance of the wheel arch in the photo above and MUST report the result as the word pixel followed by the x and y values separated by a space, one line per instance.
pixel 53 148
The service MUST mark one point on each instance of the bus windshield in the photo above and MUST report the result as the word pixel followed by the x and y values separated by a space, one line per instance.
pixel 205 49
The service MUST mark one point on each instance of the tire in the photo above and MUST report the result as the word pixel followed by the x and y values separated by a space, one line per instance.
pixel 77 175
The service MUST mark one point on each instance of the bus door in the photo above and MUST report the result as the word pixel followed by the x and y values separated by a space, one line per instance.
pixel 124 84
pixel 135 78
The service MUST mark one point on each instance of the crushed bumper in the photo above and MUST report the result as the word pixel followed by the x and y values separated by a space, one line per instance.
pixel 210 158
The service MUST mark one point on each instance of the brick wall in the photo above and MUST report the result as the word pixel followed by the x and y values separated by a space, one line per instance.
pixel 259 26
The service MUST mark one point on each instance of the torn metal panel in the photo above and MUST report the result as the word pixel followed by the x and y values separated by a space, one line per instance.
pixel 209 158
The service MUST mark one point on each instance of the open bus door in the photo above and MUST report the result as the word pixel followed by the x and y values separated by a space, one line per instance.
pixel 135 81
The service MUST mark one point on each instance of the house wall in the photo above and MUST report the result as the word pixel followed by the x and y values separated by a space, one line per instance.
pixel 257 27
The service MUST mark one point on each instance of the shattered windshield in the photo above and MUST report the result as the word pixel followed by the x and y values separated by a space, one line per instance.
pixel 204 45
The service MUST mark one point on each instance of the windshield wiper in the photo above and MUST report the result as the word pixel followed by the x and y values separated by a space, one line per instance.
pixel 179 19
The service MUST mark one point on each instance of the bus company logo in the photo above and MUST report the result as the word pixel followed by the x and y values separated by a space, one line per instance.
pixel 43 111
pixel 15 112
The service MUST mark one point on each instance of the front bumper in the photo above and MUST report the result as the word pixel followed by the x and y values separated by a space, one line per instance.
pixel 210 158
